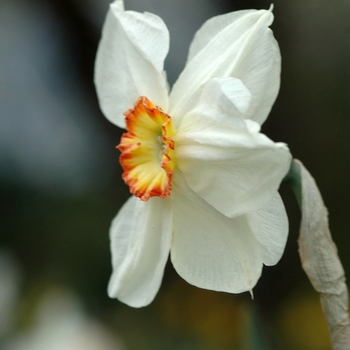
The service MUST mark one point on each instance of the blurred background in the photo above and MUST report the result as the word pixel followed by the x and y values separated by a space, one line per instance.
pixel 60 182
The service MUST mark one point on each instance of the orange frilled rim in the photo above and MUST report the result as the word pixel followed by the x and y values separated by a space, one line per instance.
pixel 147 150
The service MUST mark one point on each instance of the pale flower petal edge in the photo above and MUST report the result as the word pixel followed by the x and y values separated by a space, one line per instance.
pixel 140 244
pixel 130 54
pixel 212 251
pixel 244 49
pixel 270 226
pixel 234 167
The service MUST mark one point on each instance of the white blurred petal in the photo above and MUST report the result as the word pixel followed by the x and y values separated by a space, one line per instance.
pixel 140 244
pixel 270 226
pixel 238 45
pixel 129 61
pixel 210 250
pixel 236 169
pixel 61 323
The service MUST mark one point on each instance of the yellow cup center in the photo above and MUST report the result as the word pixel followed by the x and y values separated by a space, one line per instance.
pixel 147 150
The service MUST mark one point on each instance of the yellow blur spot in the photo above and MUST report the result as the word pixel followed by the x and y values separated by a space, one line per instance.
pixel 303 325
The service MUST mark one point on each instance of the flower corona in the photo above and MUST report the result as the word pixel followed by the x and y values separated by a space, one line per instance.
pixel 147 150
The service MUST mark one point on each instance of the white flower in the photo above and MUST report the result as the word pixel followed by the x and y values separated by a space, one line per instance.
pixel 60 323
pixel 205 176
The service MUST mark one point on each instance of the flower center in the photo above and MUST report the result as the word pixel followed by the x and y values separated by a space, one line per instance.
pixel 147 150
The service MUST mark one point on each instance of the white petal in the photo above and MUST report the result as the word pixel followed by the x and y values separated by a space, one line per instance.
pixel 129 61
pixel 270 226
pixel 215 25
pixel 210 250
pixel 229 94
pixel 223 99
pixel 236 169
pixel 238 45
pixel 140 243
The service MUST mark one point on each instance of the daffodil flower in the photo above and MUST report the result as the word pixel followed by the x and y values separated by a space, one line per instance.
pixel 204 179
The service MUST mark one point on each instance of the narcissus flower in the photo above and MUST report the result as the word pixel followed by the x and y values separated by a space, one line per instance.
pixel 204 179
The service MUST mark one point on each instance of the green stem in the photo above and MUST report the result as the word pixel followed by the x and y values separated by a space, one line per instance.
pixel 293 179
